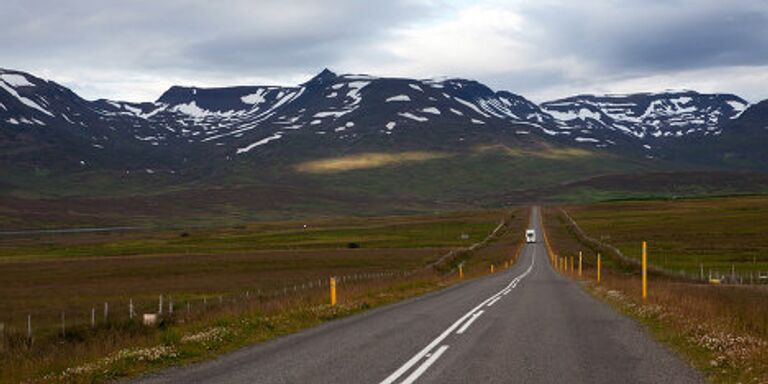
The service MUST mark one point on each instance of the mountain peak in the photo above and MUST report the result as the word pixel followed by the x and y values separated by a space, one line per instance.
pixel 325 76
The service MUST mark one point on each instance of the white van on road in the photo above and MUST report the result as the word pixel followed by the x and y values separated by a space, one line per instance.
pixel 530 236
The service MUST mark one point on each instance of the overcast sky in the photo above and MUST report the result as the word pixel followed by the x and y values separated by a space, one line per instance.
pixel 541 49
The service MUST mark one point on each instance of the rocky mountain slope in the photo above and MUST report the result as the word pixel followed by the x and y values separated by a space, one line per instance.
pixel 338 144
pixel 45 126
pixel 347 110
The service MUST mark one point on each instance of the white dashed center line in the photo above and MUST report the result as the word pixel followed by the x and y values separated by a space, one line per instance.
pixel 467 320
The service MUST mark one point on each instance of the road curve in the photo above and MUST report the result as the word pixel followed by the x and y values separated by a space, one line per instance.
pixel 527 324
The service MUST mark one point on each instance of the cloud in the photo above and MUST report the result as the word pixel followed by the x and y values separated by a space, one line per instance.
pixel 655 35
pixel 541 49
pixel 83 42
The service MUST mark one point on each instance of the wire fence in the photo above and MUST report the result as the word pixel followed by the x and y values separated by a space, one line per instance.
pixel 706 273
pixel 152 311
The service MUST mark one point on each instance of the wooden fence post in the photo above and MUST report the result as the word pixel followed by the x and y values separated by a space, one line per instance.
pixel 579 263
pixel 29 328
pixel 598 267
pixel 645 271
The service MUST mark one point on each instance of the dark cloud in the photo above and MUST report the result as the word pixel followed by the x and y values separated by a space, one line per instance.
pixel 214 36
pixel 102 48
pixel 648 36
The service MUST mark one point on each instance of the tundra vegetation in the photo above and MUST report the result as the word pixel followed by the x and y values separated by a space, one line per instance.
pixel 221 288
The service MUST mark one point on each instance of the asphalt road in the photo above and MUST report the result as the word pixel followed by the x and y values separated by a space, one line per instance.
pixel 524 325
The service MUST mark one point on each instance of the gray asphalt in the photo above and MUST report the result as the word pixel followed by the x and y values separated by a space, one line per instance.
pixel 542 329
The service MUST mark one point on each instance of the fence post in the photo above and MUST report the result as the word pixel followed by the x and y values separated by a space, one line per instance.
pixel 160 306
pixel 106 311
pixel 579 263
pixel 29 328
pixel 93 317
pixel 645 270
pixel 332 284
pixel 130 309
pixel 598 267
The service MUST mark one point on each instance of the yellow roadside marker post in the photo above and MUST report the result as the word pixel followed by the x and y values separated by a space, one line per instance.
pixel 579 263
pixel 491 268
pixel 333 291
pixel 645 270
pixel 461 271
pixel 571 265
pixel 598 268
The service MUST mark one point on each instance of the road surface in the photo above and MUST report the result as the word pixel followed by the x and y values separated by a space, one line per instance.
pixel 524 325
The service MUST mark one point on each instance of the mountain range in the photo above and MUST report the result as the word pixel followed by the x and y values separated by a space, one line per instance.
pixel 347 130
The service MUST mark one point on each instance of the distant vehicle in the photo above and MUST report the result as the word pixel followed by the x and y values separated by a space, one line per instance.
pixel 530 236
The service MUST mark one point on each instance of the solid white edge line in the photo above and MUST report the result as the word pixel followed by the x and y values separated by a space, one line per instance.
pixel 418 356
pixel 469 322
pixel 424 366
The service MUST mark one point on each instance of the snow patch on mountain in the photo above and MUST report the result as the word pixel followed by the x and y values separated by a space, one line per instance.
pixel 397 98
pixel 261 142
pixel 15 80
pixel 471 106
pixel 582 114
pixel 191 109
pixel 254 98
pixel 335 114
pixel 411 116
pixel 23 99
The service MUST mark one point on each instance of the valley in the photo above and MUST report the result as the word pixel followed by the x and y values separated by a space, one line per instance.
pixel 355 143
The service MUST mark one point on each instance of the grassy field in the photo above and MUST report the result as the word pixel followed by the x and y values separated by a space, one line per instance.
pixel 441 230
pixel 684 235
pixel 220 276
pixel 362 184
pixel 721 329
